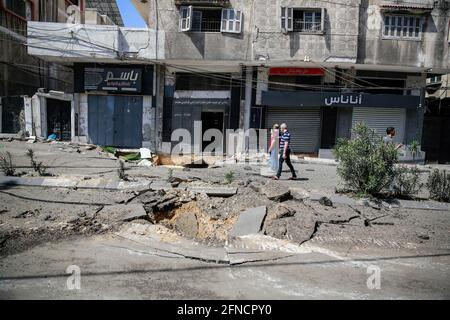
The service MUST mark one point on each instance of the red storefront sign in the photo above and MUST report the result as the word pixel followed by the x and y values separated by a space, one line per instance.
pixel 281 71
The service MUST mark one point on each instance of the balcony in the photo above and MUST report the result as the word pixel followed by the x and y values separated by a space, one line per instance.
pixel 209 3
pixel 13 22
pixel 307 26
pixel 207 25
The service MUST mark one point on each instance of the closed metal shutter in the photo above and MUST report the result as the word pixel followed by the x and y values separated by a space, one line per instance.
pixel 304 124
pixel 381 118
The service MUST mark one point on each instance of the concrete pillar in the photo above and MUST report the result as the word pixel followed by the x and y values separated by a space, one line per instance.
pixel 148 121
pixel 248 96
pixel 160 78
pixel 28 109
pixel 1 113
pixel 262 84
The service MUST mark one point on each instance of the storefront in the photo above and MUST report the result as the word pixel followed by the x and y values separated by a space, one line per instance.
pixel 212 113
pixel 313 117
pixel 115 104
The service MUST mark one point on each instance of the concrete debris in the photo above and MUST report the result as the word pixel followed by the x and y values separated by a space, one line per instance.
pixel 276 192
pixel 280 211
pixel 145 163
pixel 123 212
pixel 326 202
pixel 145 153
pixel 28 214
pixel 187 224
pixel 249 222
pixel 299 194
pixel 215 191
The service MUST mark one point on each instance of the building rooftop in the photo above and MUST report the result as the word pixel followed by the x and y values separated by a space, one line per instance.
pixel 107 7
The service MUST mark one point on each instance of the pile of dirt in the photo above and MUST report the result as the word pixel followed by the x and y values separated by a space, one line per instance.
pixel 18 240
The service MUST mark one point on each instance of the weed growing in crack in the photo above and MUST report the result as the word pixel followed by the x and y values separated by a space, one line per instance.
pixel 121 171
pixel 229 177
pixel 6 164
pixel 37 166
pixel 170 175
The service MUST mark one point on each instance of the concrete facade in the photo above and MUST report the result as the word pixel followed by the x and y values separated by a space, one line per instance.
pixel 429 51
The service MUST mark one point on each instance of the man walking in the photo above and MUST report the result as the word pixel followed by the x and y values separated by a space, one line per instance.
pixel 285 151
pixel 389 138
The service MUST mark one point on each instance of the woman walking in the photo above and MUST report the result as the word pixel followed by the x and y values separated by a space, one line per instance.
pixel 273 147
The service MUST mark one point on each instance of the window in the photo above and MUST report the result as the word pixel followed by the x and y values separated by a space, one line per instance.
pixel 302 20
pixel 185 18
pixel 210 20
pixel 435 79
pixel 402 27
pixel 231 21
pixel 21 8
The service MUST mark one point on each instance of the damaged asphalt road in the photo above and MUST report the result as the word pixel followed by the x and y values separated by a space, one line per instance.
pixel 174 238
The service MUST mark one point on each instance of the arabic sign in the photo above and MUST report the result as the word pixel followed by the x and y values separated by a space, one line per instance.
pixel 337 99
pixel 113 79
pixel 201 102
pixel 296 71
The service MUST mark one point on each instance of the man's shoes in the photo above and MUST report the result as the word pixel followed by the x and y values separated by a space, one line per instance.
pixel 293 178
pixel 275 178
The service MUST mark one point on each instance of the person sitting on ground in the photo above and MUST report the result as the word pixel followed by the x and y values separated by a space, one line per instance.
pixel 389 138
pixel 285 151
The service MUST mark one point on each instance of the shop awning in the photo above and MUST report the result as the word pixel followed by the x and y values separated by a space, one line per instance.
pixel 337 99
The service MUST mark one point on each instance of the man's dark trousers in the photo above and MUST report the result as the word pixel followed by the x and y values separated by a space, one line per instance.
pixel 288 162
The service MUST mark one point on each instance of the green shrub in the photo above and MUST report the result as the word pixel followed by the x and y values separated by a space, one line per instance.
pixel 407 181
pixel 438 185
pixel 6 164
pixel 366 163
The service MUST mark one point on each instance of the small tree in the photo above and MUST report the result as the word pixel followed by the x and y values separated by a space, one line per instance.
pixel 407 181
pixel 366 163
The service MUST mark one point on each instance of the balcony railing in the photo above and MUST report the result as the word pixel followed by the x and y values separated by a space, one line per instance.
pixel 13 22
pixel 207 25
pixel 307 26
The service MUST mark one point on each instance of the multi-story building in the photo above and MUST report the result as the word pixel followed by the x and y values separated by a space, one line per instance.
pixel 32 86
pixel 436 125
pixel 21 74
pixel 320 66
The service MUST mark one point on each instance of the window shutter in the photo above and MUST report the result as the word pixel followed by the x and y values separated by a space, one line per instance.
pixel 224 23
pixel 231 21
pixel 287 22
pixel 186 18
pixel 238 22
pixel 283 18
pixel 290 19
pixel 322 22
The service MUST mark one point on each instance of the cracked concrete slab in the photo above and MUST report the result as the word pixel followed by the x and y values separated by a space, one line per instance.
pixel 215 191
pixel 249 222
pixel 122 212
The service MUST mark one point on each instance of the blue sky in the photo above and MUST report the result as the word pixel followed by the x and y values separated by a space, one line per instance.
pixel 130 16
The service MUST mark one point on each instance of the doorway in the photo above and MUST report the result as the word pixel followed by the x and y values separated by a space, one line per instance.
pixel 211 120
pixel 59 119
